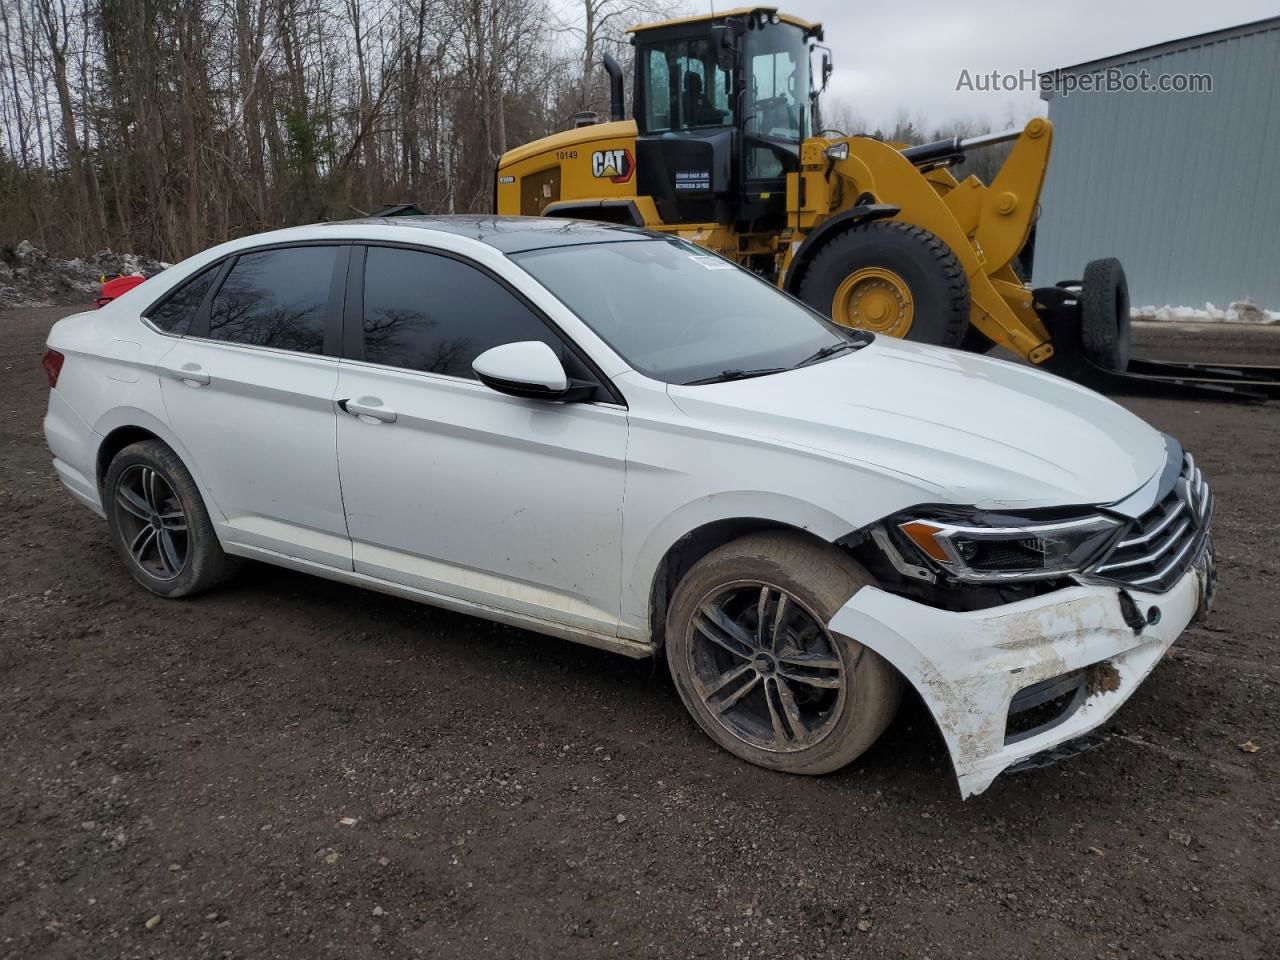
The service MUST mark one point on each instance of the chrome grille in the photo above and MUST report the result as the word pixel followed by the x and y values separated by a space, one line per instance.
pixel 1160 545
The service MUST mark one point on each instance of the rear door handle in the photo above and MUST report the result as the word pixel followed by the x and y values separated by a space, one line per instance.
pixel 189 374
pixel 367 412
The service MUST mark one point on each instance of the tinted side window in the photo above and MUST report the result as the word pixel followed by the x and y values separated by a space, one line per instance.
pixel 176 311
pixel 427 312
pixel 276 298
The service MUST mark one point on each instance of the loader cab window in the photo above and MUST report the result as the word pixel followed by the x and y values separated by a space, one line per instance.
pixel 778 83
pixel 684 89
pixel 777 101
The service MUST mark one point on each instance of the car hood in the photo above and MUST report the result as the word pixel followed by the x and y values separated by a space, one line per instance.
pixel 966 428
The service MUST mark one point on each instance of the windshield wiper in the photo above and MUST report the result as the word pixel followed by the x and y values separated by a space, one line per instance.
pixel 724 375
pixel 830 350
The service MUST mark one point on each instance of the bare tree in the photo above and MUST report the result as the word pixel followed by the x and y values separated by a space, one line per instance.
pixel 162 126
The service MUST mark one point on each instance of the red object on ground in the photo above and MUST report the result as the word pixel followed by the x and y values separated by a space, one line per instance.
pixel 116 287
pixel 52 363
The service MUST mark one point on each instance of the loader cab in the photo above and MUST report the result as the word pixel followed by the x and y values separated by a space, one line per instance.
pixel 722 105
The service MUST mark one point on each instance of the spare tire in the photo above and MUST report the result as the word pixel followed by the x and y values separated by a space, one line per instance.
pixel 1104 314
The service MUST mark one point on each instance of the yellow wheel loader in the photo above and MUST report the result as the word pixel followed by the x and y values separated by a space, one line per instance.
pixel 726 149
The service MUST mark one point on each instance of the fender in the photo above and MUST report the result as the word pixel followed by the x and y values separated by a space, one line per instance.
pixel 862 213
pixel 119 417
pixel 644 564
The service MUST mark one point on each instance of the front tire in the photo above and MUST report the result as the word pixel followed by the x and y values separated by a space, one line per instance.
pixel 755 665
pixel 159 523
pixel 893 278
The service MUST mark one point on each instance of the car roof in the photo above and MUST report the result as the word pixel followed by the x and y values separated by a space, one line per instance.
pixel 513 234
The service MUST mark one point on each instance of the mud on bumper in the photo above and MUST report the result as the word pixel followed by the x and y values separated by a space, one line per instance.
pixel 1076 654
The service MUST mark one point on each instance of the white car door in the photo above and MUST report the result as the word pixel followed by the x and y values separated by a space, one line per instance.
pixel 249 393
pixel 453 488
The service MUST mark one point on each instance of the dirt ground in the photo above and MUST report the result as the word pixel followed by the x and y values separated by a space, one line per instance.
pixel 515 796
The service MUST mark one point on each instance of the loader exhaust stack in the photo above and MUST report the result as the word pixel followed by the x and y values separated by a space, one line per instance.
pixel 617 109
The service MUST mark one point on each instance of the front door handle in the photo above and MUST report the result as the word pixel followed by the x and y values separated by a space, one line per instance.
pixel 368 412
pixel 189 374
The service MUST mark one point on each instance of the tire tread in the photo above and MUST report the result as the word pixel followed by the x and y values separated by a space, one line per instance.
pixel 954 282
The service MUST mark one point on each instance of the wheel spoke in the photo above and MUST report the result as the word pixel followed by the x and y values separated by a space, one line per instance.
pixel 151 489
pixel 791 708
pixel 145 538
pixel 779 612
pixel 780 737
pixel 737 695
pixel 762 607
pixel 814 661
pixel 826 683
pixel 725 679
pixel 174 520
pixel 168 553
pixel 132 502
pixel 719 629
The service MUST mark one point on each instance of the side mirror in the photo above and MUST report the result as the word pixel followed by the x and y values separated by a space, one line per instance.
pixel 529 369
pixel 826 69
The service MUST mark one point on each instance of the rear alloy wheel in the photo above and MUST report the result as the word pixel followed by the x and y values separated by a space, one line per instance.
pixel 893 278
pixel 159 523
pixel 756 666
pixel 152 522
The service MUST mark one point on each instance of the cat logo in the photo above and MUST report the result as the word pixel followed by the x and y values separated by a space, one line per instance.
pixel 616 165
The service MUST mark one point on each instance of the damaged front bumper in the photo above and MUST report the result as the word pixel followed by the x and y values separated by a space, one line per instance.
pixel 1075 655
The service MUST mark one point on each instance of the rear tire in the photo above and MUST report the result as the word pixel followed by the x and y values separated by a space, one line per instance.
pixel 814 701
pixel 159 523
pixel 1104 314
pixel 934 278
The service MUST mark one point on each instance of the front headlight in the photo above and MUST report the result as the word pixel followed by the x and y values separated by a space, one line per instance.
pixel 980 553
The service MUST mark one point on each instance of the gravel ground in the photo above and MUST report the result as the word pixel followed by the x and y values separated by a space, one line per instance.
pixel 290 768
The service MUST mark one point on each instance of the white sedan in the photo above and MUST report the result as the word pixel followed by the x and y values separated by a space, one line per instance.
pixel 617 438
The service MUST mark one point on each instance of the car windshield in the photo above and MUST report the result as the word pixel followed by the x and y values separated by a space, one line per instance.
pixel 679 314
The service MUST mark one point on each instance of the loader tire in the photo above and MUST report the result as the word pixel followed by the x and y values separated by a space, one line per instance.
pixel 975 341
pixel 1104 314
pixel 893 278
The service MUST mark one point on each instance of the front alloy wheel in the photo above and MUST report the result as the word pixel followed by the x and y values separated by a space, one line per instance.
pixel 755 664
pixel 765 667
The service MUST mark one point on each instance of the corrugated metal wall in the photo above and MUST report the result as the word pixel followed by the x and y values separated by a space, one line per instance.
pixel 1183 187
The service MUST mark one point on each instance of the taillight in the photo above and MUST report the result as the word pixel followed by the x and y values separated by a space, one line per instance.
pixel 52 364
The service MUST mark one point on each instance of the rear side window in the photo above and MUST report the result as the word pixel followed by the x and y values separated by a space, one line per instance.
pixel 427 312
pixel 176 311
pixel 276 298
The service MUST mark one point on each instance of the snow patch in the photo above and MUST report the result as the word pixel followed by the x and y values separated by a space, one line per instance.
pixel 29 277
pixel 1240 311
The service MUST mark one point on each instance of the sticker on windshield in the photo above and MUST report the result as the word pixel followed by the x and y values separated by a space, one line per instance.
pixel 711 263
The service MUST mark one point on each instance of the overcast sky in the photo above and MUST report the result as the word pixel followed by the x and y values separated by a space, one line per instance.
pixel 892 54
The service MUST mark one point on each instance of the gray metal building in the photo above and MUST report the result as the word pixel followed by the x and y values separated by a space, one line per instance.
pixel 1183 187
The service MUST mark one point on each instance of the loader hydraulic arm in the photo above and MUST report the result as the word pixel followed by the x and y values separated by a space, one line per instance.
pixel 1001 307
pixel 1011 201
